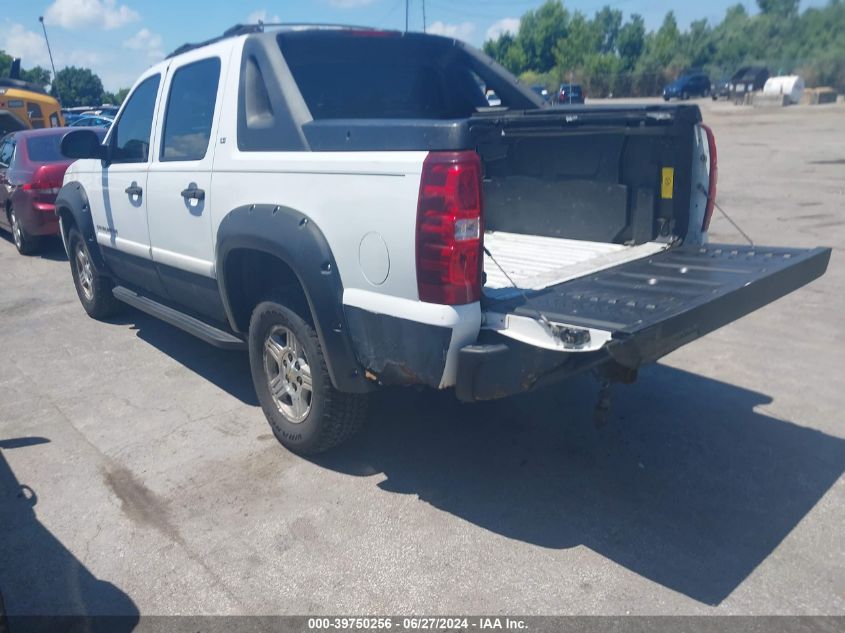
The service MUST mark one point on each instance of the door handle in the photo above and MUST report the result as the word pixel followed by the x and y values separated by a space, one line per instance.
pixel 193 193
pixel 134 190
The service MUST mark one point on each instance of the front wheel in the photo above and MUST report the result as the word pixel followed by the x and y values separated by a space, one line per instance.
pixel 306 413
pixel 94 290
pixel 684 96
pixel 25 243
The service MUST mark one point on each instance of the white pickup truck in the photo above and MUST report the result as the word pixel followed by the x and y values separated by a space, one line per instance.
pixel 344 203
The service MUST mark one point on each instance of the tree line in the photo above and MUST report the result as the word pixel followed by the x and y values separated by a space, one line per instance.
pixel 610 55
pixel 76 86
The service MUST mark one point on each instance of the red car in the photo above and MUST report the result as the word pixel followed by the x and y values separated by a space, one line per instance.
pixel 31 172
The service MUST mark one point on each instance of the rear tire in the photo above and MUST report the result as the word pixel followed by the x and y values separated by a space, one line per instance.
pixel 306 413
pixel 25 243
pixel 94 290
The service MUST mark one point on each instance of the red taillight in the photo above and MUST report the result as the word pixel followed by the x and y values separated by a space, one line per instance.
pixel 46 180
pixel 714 177
pixel 449 229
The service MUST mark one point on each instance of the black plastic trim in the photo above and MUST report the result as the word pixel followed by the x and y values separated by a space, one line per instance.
pixel 399 351
pixel 293 238
pixel 183 321
pixel 271 111
pixel 74 198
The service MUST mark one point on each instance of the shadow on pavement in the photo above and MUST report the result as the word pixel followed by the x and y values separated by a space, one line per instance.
pixel 227 369
pixel 50 247
pixel 37 569
pixel 687 485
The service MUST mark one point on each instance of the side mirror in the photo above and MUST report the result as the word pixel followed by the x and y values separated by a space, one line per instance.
pixel 83 143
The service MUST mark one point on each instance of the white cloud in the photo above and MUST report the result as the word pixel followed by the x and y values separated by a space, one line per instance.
pixel 349 4
pixel 73 14
pixel 17 41
pixel 462 31
pixel 147 41
pixel 261 16
pixel 505 25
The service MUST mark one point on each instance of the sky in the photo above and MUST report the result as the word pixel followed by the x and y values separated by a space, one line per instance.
pixel 118 39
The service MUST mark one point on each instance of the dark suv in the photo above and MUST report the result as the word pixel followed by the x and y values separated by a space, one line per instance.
pixel 570 93
pixel 686 86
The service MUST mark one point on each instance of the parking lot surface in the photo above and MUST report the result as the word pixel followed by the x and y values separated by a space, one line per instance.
pixel 138 474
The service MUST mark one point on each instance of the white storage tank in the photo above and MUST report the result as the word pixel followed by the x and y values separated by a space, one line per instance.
pixel 790 85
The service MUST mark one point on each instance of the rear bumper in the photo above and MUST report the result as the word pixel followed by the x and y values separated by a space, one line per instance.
pixel 498 367
pixel 36 216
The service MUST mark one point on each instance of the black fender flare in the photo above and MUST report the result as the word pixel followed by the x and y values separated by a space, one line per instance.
pixel 296 240
pixel 73 198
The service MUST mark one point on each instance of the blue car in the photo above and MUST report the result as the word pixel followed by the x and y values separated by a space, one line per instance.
pixel 92 121
pixel 686 86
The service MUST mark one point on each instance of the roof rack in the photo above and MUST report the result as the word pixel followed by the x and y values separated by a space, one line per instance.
pixel 246 29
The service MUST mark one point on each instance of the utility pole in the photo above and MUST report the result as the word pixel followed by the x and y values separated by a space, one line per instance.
pixel 50 53
pixel 407 2
pixel 423 3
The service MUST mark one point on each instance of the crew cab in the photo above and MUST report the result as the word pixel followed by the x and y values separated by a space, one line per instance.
pixel 344 204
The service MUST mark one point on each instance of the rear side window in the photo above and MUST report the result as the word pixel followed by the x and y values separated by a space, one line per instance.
pixel 131 133
pixel 372 76
pixel 45 149
pixel 7 150
pixel 190 110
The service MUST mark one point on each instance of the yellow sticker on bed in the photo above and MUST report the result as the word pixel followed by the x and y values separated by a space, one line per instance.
pixel 667 183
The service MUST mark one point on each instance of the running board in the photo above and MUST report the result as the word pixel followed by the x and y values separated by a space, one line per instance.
pixel 189 324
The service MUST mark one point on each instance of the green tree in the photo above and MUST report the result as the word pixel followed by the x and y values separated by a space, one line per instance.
pixel 608 23
pixel 780 8
pixel 78 87
pixel 115 98
pixel 582 39
pixel 539 31
pixel 38 75
pixel 631 41
pixel 554 44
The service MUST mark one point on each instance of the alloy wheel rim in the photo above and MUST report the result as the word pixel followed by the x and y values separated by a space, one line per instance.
pixel 288 374
pixel 85 273
pixel 16 229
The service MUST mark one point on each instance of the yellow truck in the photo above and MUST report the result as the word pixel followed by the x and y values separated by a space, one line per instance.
pixel 25 105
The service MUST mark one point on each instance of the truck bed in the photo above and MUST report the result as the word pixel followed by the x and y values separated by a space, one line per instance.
pixel 535 262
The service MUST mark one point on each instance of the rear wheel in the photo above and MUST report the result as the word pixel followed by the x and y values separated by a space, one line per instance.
pixel 93 289
pixel 25 243
pixel 307 414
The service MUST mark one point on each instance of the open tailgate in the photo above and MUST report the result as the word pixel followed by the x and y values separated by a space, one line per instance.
pixel 651 306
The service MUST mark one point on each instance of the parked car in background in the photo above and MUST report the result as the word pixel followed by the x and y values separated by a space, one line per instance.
pixel 686 86
pixel 93 121
pixel 492 98
pixel 570 93
pixel 747 79
pixel 103 110
pixel 541 91
pixel 31 172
